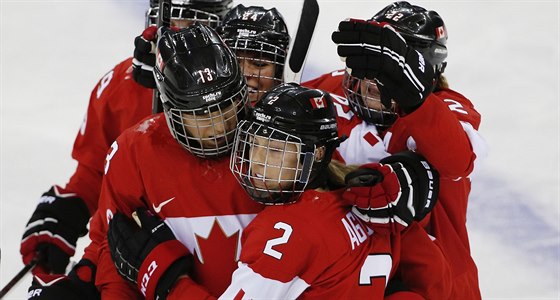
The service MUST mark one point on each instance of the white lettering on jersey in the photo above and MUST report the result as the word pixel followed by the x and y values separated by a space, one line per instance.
pixel 455 106
pixel 278 241
pixel 375 265
pixel 355 229
pixel 114 148
pixel 342 107
pixel 104 83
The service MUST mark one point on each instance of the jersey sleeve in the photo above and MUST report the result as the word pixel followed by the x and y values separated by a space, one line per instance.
pixel 434 131
pixel 122 190
pixel 94 138
pixel 330 82
pixel 423 267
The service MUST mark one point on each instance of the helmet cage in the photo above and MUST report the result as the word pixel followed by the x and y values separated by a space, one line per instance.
pixel 380 117
pixel 219 119
pixel 285 183
pixel 184 13
pixel 263 53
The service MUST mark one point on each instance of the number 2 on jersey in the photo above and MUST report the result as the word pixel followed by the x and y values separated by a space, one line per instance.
pixel 278 241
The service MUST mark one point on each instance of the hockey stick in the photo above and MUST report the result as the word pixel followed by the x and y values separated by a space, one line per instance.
pixel 18 277
pixel 300 44
pixel 164 19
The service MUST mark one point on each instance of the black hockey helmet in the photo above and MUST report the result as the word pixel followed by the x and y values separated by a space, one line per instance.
pixel 208 12
pixel 200 83
pixel 294 124
pixel 422 29
pixel 261 32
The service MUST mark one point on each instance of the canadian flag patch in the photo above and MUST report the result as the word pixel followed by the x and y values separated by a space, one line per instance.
pixel 318 102
pixel 440 32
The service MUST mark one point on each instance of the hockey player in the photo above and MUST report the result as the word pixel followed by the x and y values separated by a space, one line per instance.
pixel 260 39
pixel 391 108
pixel 116 103
pixel 176 165
pixel 306 243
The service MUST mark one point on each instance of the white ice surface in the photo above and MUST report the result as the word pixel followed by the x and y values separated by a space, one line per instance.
pixel 504 56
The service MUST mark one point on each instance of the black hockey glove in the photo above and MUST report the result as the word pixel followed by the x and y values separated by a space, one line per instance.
pixel 400 189
pixel 375 50
pixel 79 284
pixel 144 57
pixel 53 229
pixel 150 256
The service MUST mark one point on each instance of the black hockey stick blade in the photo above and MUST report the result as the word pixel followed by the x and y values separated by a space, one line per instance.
pixel 301 42
pixel 18 277
pixel 164 19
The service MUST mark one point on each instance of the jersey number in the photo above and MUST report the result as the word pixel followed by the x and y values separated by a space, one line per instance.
pixel 104 83
pixel 278 241
pixel 114 148
pixel 455 106
pixel 375 266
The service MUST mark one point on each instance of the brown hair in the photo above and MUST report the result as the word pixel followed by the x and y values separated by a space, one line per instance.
pixel 442 83
pixel 337 171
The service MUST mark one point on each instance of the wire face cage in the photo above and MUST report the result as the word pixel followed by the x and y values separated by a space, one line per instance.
pixel 270 164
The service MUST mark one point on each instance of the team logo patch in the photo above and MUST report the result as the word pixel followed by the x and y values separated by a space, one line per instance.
pixel 440 32
pixel 318 102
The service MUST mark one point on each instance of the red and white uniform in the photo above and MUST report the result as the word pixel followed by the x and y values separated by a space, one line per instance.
pixel 116 103
pixel 315 248
pixel 199 199
pixel 444 130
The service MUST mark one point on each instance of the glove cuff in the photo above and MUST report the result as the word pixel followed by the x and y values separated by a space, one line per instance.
pixel 158 261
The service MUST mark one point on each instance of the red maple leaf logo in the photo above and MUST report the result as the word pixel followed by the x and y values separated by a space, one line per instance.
pixel 216 259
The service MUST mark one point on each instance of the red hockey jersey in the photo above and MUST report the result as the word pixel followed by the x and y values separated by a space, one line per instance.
pixel 116 103
pixel 199 199
pixel 313 249
pixel 444 130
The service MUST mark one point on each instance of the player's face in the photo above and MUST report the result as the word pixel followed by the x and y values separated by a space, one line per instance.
pixel 274 163
pixel 181 23
pixel 213 129
pixel 259 73
pixel 371 95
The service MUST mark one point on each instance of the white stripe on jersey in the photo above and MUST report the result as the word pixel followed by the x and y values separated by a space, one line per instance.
pixel 478 143
pixel 254 286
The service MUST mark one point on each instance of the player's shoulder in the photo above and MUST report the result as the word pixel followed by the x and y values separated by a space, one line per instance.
pixel 119 81
pixel 312 207
pixel 449 94
pixel 145 131
pixel 329 82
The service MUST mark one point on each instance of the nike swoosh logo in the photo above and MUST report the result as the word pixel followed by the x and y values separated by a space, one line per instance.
pixel 160 206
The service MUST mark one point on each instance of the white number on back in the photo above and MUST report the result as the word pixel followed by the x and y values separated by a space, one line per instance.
pixel 114 148
pixel 375 266
pixel 455 106
pixel 278 241
pixel 104 83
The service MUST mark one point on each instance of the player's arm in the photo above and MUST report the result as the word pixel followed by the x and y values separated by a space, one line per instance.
pixel 423 268
pixel 62 214
pixel 122 190
pixel 440 137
